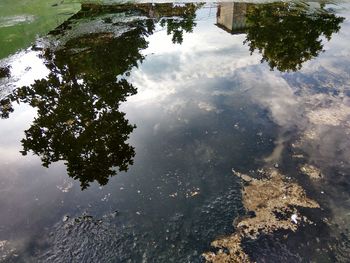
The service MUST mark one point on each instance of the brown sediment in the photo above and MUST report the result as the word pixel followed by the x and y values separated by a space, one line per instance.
pixel 311 171
pixel 267 198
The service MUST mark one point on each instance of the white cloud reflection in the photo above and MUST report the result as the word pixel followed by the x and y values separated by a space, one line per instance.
pixel 25 67
pixel 211 62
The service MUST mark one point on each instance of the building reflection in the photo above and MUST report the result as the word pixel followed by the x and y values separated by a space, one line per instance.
pixel 231 17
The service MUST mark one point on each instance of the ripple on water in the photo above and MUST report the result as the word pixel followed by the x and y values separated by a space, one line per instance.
pixel 179 238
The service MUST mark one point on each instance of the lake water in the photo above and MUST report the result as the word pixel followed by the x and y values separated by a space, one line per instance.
pixel 124 128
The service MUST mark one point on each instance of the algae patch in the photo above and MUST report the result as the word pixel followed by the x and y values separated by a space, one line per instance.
pixel 272 200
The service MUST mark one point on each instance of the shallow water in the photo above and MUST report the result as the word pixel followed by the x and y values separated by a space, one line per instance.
pixel 121 127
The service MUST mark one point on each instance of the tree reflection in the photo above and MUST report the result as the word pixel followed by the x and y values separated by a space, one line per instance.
pixel 78 106
pixel 4 72
pixel 185 22
pixel 288 34
pixel 78 118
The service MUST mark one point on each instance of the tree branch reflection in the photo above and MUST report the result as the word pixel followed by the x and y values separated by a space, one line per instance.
pixel 286 34
pixel 78 119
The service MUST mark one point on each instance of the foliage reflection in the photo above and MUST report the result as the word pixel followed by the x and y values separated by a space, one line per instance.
pixel 288 34
pixel 78 118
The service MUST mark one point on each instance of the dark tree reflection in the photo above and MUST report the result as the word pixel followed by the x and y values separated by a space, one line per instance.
pixel 78 106
pixel 78 118
pixel 184 22
pixel 4 72
pixel 288 34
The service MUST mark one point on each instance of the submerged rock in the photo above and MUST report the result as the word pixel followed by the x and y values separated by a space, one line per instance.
pixel 272 200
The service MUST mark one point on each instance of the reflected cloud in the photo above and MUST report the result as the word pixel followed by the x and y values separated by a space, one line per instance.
pixel 286 96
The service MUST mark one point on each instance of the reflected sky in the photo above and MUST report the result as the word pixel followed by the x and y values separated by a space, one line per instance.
pixel 202 106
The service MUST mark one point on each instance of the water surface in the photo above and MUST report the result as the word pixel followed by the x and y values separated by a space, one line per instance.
pixel 121 127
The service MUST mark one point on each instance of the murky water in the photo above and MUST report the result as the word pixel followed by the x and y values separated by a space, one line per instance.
pixel 123 130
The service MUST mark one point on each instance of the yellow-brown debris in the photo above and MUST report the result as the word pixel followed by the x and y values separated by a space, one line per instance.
pixel 311 171
pixel 265 197
pixel 233 245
